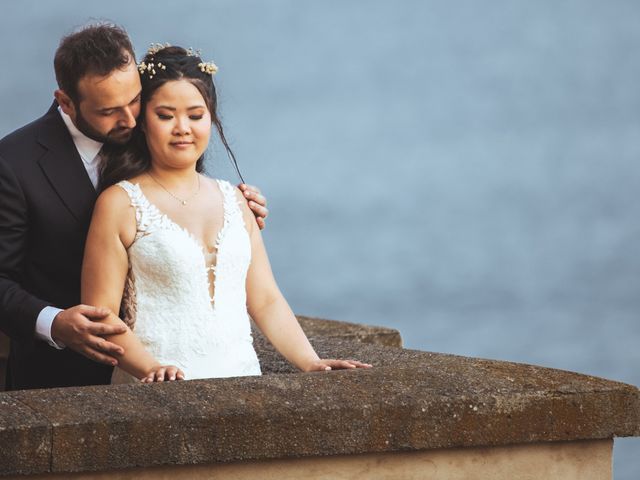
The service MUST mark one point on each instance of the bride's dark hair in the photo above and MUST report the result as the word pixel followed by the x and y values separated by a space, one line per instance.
pixel 168 64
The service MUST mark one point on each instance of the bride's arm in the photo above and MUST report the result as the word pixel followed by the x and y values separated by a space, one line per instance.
pixel 271 312
pixel 104 270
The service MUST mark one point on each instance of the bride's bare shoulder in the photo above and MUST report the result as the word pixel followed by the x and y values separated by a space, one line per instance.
pixel 114 213
pixel 113 197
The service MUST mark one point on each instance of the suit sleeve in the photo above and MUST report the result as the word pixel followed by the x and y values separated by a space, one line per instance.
pixel 19 309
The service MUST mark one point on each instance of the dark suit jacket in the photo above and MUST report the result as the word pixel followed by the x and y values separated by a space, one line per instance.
pixel 46 201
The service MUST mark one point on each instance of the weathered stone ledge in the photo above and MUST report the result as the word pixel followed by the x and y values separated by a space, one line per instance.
pixel 321 328
pixel 313 327
pixel 410 401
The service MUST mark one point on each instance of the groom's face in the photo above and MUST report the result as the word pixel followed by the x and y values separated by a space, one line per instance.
pixel 108 106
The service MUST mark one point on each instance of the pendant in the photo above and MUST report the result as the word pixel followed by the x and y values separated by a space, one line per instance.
pixel 184 202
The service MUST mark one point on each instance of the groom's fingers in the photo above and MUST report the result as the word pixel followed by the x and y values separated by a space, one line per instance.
pixel 244 187
pixel 98 356
pixel 101 345
pixel 102 329
pixel 256 201
pixel 255 197
pixel 99 313
pixel 258 210
pixel 95 313
pixel 99 349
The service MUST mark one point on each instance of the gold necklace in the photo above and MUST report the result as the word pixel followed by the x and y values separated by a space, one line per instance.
pixel 183 201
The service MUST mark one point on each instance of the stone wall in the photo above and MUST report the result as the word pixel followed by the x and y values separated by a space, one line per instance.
pixel 411 402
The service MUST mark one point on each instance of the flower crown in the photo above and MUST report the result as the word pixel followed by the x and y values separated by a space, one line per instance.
pixel 150 67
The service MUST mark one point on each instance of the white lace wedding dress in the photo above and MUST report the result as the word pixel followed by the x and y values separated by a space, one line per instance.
pixel 167 298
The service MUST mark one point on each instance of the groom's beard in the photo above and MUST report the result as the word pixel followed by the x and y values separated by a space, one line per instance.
pixel 115 136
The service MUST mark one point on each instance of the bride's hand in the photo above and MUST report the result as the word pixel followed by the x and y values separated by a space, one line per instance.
pixel 163 373
pixel 322 365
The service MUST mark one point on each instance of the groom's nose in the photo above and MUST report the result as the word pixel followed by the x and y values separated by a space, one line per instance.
pixel 127 119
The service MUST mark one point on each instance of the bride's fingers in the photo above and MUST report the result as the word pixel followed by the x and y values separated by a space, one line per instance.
pixel 326 365
pixel 159 377
pixel 346 364
pixel 360 364
pixel 172 373
pixel 343 364
pixel 355 364
pixel 162 374
pixel 318 366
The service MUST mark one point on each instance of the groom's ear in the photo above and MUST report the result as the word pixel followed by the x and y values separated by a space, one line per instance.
pixel 65 102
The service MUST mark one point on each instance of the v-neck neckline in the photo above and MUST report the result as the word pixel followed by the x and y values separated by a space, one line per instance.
pixel 206 251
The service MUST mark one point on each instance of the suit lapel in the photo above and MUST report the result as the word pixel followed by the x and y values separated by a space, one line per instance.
pixel 63 167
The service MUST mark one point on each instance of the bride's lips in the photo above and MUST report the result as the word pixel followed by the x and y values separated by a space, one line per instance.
pixel 181 144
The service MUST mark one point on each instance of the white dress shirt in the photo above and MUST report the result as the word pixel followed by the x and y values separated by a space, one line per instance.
pixel 89 151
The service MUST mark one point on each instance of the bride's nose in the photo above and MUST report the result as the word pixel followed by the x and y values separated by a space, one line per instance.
pixel 181 126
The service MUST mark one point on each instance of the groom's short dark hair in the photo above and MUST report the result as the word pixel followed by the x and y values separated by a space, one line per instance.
pixel 96 49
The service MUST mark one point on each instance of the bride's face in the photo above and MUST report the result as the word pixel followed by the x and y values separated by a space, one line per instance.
pixel 177 125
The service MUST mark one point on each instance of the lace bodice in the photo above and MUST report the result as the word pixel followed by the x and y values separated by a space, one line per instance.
pixel 188 305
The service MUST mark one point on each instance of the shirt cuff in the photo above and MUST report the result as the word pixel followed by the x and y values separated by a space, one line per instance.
pixel 43 326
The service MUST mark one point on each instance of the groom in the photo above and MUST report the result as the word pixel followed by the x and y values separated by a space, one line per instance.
pixel 49 172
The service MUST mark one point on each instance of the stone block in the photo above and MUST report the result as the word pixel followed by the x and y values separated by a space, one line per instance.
pixel 25 438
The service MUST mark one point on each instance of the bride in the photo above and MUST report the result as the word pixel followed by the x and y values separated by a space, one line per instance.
pixel 184 248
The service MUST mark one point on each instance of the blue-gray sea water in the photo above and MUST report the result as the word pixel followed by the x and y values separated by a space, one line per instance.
pixel 466 172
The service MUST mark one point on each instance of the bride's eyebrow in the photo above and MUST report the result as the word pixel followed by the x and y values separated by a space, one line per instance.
pixel 173 109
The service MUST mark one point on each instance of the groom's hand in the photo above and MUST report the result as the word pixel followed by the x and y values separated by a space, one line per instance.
pixel 257 203
pixel 78 328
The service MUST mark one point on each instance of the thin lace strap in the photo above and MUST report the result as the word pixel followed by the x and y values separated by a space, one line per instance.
pixel 129 188
pixel 145 215
pixel 231 203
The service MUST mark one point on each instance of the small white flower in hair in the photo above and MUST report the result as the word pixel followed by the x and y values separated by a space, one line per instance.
pixel 208 67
